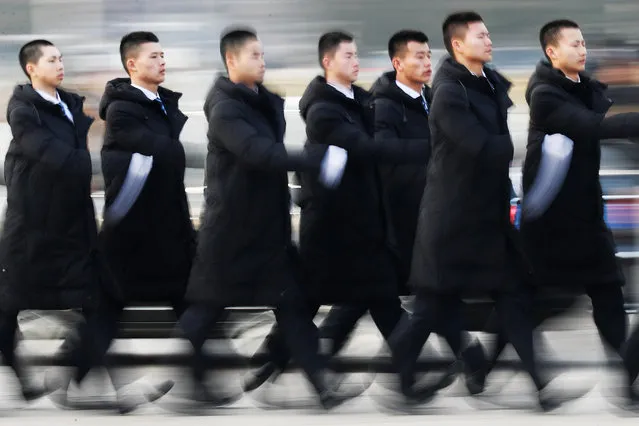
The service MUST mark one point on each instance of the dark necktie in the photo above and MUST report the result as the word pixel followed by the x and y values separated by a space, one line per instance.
pixel 64 112
pixel 158 99
pixel 424 104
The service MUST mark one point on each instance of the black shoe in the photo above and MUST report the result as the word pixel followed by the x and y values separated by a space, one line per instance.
pixel 333 392
pixel 332 398
pixel 550 398
pixel 399 399
pixel 421 394
pixel 31 393
pixel 449 376
pixel 133 397
pixel 50 384
pixel 475 368
pixel 258 377
pixel 156 392
pixel 202 395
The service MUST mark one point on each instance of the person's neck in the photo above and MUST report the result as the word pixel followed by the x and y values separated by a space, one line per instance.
pixel 239 80
pixel 50 90
pixel 415 85
pixel 475 67
pixel 332 79
pixel 151 87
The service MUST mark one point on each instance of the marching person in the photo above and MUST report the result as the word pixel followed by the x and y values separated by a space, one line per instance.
pixel 49 247
pixel 245 254
pixel 465 244
pixel 569 244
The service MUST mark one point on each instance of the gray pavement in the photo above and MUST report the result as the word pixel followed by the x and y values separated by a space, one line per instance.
pixel 570 338
pixel 452 407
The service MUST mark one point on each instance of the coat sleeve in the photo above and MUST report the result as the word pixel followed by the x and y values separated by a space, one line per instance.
pixel 37 143
pixel 240 137
pixel 452 117
pixel 620 126
pixel 327 125
pixel 555 114
pixel 129 131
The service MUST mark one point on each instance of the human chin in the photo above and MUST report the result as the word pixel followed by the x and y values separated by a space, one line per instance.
pixel 54 80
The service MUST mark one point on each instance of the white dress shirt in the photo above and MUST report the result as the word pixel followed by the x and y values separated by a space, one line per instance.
pixel 152 96
pixel 408 90
pixel 56 101
pixel 411 92
pixel 346 91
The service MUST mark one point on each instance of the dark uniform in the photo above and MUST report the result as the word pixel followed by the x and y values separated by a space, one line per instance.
pixel 149 251
pixel 347 243
pixel 465 244
pixel 570 245
pixel 398 116
pixel 49 247
pixel 245 256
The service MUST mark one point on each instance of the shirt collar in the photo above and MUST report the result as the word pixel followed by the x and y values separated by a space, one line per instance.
pixel 47 97
pixel 152 96
pixel 408 90
pixel 483 74
pixel 575 81
pixel 348 92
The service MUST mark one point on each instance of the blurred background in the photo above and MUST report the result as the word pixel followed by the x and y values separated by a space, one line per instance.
pixel 88 34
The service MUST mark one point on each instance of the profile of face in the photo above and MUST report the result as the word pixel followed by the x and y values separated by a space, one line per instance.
pixel 476 45
pixel 147 63
pixel 414 62
pixel 344 63
pixel 49 69
pixel 247 63
pixel 569 53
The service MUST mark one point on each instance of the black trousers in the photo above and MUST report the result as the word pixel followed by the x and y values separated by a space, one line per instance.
pixel 8 343
pixel 443 312
pixel 385 315
pixel 96 334
pixel 341 321
pixel 608 314
pixel 79 356
pixel 631 355
pixel 294 319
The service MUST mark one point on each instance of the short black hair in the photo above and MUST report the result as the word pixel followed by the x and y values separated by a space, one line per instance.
pixel 233 39
pixel 549 33
pixel 456 25
pixel 132 41
pixel 398 42
pixel 329 42
pixel 31 53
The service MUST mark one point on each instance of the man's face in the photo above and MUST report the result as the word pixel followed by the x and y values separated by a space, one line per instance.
pixel 569 53
pixel 344 64
pixel 248 62
pixel 414 62
pixel 476 45
pixel 148 63
pixel 49 69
